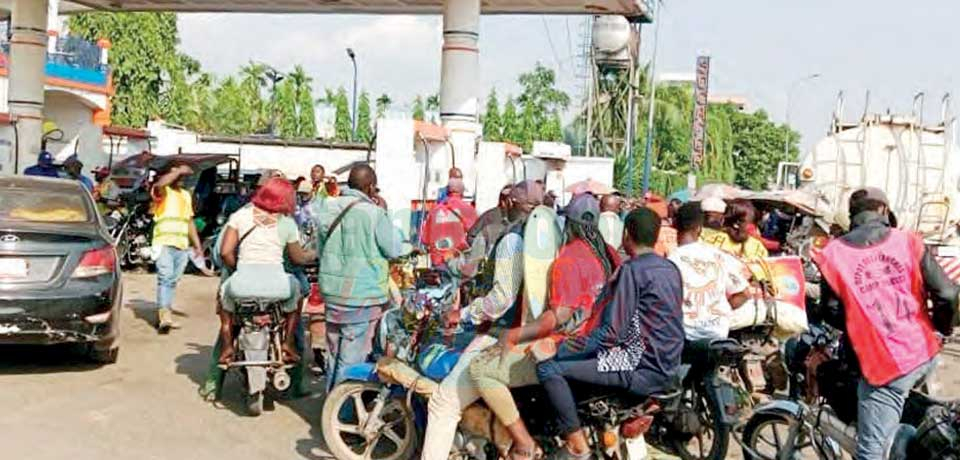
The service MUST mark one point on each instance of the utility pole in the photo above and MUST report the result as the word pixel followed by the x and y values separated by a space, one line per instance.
pixel 648 151
pixel 353 110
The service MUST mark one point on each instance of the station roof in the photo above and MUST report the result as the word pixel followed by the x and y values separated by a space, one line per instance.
pixel 639 9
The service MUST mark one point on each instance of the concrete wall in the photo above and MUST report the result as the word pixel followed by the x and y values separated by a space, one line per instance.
pixel 74 117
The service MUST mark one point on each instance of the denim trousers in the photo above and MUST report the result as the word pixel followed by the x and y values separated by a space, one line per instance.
pixel 879 411
pixel 555 375
pixel 348 344
pixel 171 262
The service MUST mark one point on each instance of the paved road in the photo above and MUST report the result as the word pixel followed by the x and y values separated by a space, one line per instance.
pixel 54 406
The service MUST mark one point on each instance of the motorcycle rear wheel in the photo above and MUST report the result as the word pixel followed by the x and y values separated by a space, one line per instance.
pixel 341 425
pixel 692 447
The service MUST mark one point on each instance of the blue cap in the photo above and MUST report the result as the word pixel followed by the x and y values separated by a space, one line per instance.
pixel 45 159
pixel 584 209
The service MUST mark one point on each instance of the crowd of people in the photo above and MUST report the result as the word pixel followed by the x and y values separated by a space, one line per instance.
pixel 634 288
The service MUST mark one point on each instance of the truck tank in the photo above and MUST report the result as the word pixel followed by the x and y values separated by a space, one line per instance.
pixel 916 164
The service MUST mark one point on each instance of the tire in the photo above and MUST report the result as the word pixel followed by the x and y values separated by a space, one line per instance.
pixel 709 416
pixel 756 437
pixel 255 404
pixel 343 439
pixel 103 355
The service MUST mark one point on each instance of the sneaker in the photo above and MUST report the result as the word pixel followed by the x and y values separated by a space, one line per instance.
pixel 165 321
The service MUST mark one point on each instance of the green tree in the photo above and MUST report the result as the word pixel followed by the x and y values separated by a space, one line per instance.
pixel 383 105
pixel 419 112
pixel 285 109
pixel 200 104
pixel 492 122
pixel 303 99
pixel 512 127
pixel 343 124
pixel 232 111
pixel 758 146
pixel 148 72
pixel 364 123
pixel 253 81
pixel 552 129
pixel 542 103
pixel 433 106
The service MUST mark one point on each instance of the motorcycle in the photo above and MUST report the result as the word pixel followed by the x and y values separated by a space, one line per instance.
pixel 374 413
pixel 819 418
pixel 132 229
pixel 257 341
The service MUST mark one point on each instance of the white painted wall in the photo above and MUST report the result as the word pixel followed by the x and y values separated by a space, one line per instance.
pixel 75 118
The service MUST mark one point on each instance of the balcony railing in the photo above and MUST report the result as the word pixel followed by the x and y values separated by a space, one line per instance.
pixel 68 58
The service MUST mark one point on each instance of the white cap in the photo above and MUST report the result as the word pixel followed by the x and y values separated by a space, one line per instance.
pixel 713 204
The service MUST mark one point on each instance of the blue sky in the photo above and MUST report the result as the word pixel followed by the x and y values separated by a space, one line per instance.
pixel 759 47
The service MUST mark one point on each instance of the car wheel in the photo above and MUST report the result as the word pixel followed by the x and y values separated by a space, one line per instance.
pixel 104 355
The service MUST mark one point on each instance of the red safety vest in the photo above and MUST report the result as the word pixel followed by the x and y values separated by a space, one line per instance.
pixel 881 287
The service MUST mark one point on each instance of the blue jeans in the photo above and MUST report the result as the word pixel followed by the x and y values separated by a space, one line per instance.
pixel 170 266
pixel 556 374
pixel 348 344
pixel 880 409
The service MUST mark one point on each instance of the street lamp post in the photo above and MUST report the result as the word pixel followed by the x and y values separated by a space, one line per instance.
pixel 353 110
pixel 786 132
pixel 275 77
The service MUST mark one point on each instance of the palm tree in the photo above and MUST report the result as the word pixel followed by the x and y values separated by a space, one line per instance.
pixel 253 80
pixel 383 104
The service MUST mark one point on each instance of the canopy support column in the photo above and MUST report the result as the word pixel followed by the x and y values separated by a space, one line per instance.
pixel 28 57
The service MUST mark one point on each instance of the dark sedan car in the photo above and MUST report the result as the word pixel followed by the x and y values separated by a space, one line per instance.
pixel 59 281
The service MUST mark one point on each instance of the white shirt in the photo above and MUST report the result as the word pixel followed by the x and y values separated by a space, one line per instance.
pixel 268 235
pixel 709 277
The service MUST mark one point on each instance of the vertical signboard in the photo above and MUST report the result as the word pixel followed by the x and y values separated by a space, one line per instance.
pixel 701 86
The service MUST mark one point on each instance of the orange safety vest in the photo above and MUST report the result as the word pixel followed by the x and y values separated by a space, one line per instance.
pixel 884 301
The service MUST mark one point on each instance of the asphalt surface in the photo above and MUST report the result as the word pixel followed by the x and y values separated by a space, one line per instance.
pixel 56 406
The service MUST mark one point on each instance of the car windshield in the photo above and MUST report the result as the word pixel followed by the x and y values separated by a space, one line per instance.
pixel 35 205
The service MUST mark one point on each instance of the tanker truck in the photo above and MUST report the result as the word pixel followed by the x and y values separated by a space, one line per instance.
pixel 913 161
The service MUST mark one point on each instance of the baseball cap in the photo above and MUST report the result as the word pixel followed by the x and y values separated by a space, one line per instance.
pixel 713 204
pixel 584 208
pixel 872 193
pixel 45 158
pixel 528 191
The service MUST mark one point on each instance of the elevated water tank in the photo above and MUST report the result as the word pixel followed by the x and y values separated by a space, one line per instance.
pixel 612 36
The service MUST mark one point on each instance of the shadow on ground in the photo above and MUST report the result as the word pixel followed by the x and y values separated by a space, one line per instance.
pixel 143 310
pixel 51 359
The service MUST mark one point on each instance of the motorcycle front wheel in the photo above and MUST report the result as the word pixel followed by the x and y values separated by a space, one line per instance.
pixel 351 432
pixel 766 435
pixel 712 438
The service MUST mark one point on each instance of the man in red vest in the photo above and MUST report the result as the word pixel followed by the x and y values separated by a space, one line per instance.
pixel 877 281
pixel 445 229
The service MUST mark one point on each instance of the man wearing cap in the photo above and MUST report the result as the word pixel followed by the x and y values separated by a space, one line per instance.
pixel 44 166
pixel 445 228
pixel 877 281
pixel 500 307
pixel 490 224
pixel 579 272
pixel 713 211
pixel 74 169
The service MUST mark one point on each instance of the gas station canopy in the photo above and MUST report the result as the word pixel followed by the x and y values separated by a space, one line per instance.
pixel 631 8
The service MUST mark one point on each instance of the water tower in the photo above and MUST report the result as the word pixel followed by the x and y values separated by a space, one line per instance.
pixel 614 52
